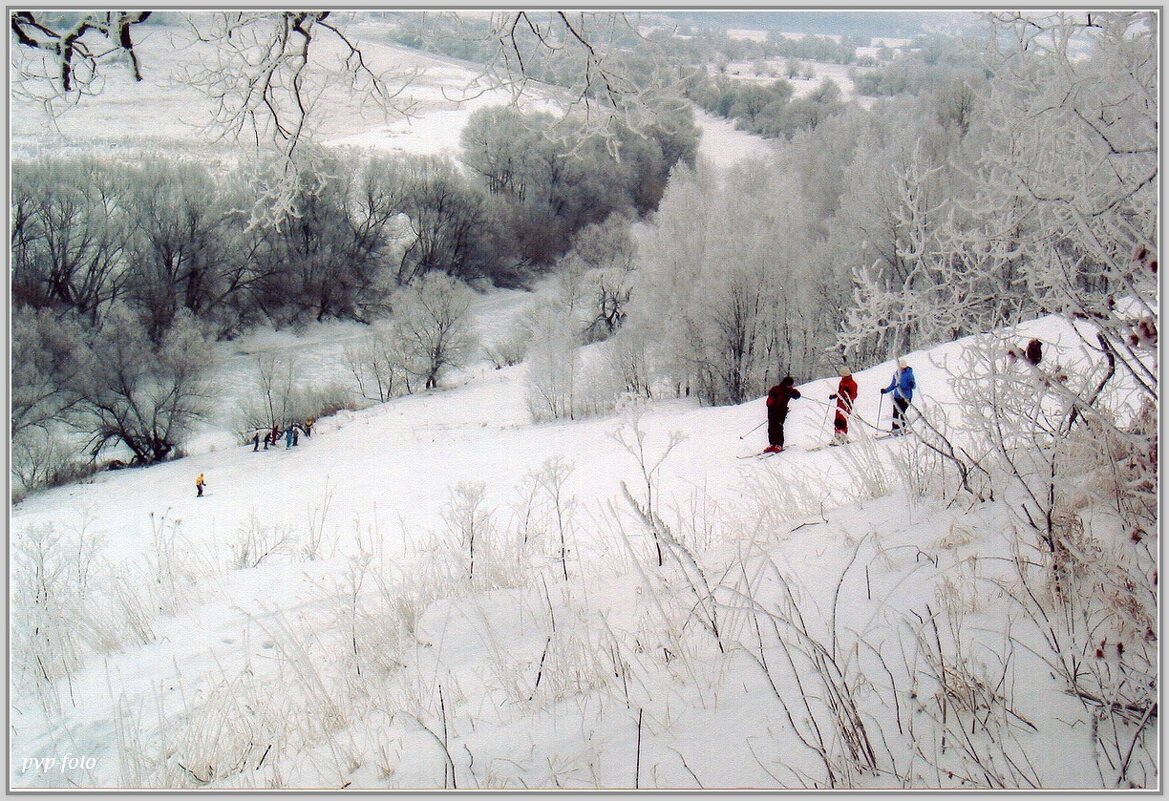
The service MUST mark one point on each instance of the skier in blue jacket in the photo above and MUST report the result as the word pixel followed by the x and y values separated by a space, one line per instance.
pixel 902 387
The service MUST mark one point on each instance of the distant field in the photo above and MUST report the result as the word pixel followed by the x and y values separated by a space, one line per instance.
pixel 747 34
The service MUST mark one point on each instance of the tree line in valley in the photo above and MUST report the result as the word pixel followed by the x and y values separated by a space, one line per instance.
pixel 973 203
pixel 139 267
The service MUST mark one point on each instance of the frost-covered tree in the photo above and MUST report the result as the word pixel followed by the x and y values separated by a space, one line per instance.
pixel 432 320
pixel 47 358
pixel 143 395
pixel 324 258
pixel 722 286
pixel 61 53
pixel 550 190
pixel 1068 184
pixel 553 363
pixel 177 254
pixel 380 363
pixel 667 277
pixel 450 221
pixel 1061 190
pixel 68 233
pixel 497 143
pixel 1060 219
pixel 899 211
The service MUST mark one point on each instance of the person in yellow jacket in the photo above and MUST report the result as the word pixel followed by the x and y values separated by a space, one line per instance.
pixel 199 484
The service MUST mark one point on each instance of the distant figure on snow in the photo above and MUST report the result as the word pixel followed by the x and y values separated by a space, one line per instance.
pixel 845 396
pixel 308 427
pixel 902 387
pixel 275 435
pixel 295 436
pixel 778 398
pixel 256 442
pixel 288 438
pixel 199 485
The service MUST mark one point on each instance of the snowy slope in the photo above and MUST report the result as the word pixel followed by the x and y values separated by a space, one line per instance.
pixel 356 691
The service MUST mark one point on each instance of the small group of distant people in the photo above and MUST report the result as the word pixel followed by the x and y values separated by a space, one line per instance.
pixel 782 394
pixel 291 433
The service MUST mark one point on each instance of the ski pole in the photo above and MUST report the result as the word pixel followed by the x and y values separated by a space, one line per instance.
pixel 753 430
pixel 827 414
pixel 880 408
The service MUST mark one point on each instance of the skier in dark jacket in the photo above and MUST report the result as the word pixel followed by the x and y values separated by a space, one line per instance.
pixel 778 397
pixel 845 396
pixel 902 387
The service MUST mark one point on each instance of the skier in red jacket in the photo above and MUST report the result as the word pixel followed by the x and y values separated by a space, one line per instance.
pixel 844 396
pixel 778 398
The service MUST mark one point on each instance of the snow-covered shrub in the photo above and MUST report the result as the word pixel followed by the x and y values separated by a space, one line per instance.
pixel 311 549
pixel 511 347
pixel 321 400
pixel 280 396
pixel 380 363
pixel 273 386
pixel 222 734
pixel 545 518
pixel 254 543
pixel 132 603
pixel 469 523
pixel 597 391
pixel 1064 442
pixel 406 593
pixel 1067 445
pixel 823 695
pixel 175 566
pixel 976 736
pixel 629 361
pixel 44 457
pixel 55 619
pixel 572 663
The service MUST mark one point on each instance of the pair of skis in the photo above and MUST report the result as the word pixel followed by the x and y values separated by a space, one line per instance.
pixel 765 454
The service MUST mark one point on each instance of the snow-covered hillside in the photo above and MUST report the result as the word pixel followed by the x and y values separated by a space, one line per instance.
pixel 324 618
pixel 437 592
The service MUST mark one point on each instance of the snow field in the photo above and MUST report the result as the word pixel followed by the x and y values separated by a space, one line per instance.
pixel 166 112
